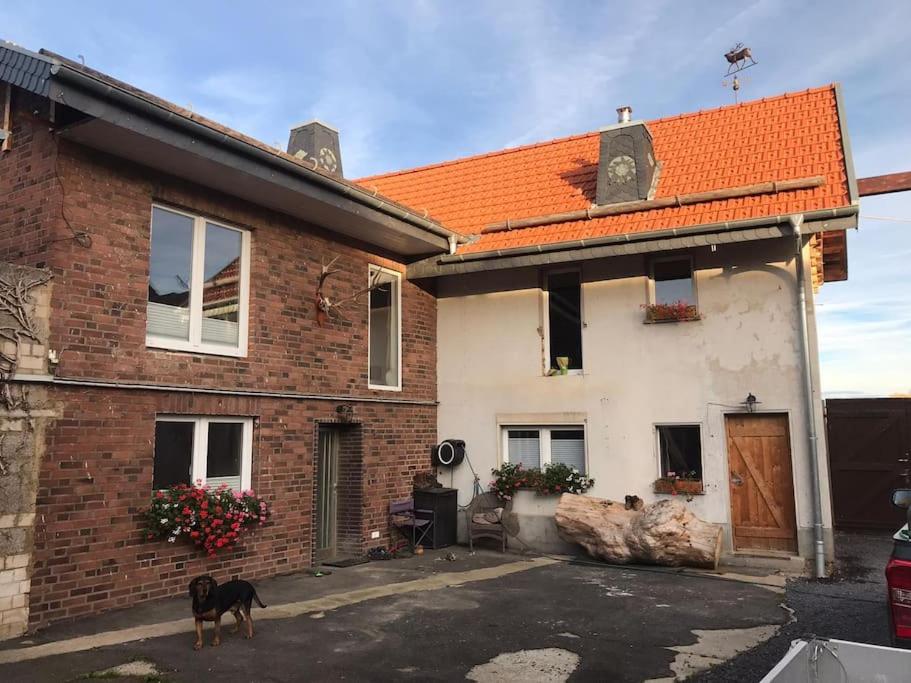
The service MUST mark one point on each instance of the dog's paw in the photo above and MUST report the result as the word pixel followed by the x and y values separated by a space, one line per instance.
pixel 216 643
pixel 197 645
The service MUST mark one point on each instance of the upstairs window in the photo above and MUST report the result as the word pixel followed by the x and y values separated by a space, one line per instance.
pixel 673 282
pixel 212 450
pixel 564 320
pixel 198 285
pixel 680 451
pixel 385 320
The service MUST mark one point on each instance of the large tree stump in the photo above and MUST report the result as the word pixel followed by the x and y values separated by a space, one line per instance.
pixel 665 532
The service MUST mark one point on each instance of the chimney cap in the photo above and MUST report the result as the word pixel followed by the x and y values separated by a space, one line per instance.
pixel 624 114
pixel 316 121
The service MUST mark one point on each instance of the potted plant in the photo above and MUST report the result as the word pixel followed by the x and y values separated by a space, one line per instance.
pixel 674 312
pixel 683 483
pixel 556 478
pixel 212 520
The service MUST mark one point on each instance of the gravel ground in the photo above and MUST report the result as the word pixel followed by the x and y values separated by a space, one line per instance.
pixel 849 606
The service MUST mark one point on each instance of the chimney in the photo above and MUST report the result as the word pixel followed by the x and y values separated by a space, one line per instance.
pixel 317 143
pixel 626 163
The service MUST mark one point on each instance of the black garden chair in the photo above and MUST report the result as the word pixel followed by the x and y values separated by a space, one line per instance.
pixel 413 524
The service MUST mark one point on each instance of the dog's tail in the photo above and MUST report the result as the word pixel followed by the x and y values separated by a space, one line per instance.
pixel 256 597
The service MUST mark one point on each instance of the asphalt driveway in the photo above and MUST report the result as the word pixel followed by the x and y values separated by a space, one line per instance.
pixel 851 605
pixel 543 620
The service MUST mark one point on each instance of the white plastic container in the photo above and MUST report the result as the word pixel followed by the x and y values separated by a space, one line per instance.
pixel 841 661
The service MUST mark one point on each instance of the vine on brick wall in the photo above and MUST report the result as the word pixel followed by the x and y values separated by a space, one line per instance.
pixel 16 309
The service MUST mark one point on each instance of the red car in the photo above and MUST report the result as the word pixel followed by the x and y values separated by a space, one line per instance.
pixel 898 576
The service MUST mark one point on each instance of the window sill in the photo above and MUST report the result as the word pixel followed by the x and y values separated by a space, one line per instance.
pixel 381 387
pixel 578 372
pixel 680 488
pixel 160 344
pixel 688 319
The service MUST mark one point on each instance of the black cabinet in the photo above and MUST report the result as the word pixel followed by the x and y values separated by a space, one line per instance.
pixel 444 503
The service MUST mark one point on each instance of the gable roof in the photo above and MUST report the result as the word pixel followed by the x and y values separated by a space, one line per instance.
pixel 124 120
pixel 788 137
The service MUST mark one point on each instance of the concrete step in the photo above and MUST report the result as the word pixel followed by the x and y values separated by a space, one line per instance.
pixel 763 562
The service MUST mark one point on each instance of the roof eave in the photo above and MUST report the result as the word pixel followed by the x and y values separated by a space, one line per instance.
pixel 821 220
pixel 107 102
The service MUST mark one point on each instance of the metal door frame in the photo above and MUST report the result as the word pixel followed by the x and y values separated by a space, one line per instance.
pixel 326 521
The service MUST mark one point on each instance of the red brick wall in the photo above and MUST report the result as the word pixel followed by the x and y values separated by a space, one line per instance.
pixel 100 326
pixel 30 194
pixel 90 553
pixel 97 472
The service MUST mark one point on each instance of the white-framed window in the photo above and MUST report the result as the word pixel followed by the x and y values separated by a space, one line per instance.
pixel 213 450
pixel 672 281
pixel 680 450
pixel 536 447
pixel 199 284
pixel 384 352
pixel 563 319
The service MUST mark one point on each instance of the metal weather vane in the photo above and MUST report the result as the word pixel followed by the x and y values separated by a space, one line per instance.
pixel 737 58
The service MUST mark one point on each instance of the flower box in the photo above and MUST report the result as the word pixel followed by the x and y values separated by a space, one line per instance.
pixel 670 313
pixel 685 487
pixel 555 479
pixel 211 519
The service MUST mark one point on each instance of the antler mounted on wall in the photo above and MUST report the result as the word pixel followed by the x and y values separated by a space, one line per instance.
pixel 326 308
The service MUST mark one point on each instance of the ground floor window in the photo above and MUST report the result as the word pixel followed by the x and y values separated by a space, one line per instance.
pixel 536 447
pixel 213 450
pixel 680 451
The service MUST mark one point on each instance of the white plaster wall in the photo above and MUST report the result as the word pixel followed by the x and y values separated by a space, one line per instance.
pixel 635 375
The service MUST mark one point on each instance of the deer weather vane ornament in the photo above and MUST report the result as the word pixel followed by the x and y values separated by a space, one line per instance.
pixel 326 308
pixel 737 58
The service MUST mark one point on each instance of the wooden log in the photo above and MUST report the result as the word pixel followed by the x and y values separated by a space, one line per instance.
pixel 664 533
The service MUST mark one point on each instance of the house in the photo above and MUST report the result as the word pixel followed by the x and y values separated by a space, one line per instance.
pixel 671 265
pixel 184 341
pixel 630 302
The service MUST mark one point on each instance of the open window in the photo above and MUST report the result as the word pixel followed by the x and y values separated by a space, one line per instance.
pixel 680 452
pixel 198 285
pixel 672 290
pixel 563 296
pixel 213 450
pixel 385 320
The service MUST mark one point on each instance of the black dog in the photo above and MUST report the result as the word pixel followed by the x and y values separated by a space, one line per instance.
pixel 210 601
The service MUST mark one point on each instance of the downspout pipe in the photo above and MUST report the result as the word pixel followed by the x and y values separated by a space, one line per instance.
pixel 819 544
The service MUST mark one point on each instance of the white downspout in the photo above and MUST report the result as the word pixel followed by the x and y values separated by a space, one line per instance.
pixel 819 544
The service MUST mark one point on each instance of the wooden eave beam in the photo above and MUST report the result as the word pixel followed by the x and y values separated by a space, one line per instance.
pixel 884 184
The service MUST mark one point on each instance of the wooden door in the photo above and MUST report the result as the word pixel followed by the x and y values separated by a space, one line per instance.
pixel 327 494
pixel 761 483
pixel 869 442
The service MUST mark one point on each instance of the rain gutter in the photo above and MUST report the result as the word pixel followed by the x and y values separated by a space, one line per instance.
pixel 838 218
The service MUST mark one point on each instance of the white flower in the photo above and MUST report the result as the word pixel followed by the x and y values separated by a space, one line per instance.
pixel 171 539
pixel 164 521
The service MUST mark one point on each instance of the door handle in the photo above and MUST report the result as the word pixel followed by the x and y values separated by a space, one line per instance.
pixel 736 480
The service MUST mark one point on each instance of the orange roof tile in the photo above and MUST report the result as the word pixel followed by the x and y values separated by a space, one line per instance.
pixel 790 136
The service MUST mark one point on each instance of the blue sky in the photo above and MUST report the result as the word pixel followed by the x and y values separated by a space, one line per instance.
pixel 410 83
